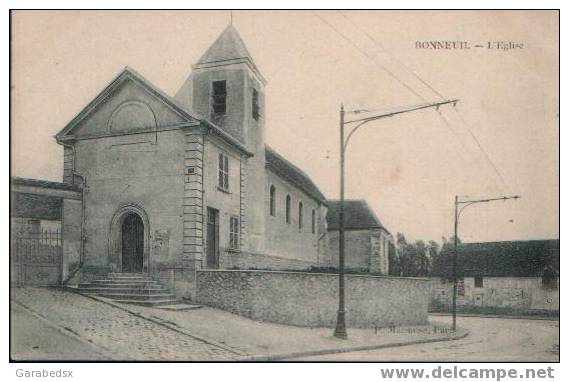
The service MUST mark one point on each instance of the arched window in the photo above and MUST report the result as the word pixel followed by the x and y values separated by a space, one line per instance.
pixel 300 215
pixel 313 221
pixel 287 212
pixel 272 200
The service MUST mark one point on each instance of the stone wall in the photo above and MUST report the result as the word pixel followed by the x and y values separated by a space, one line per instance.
pixel 68 164
pixel 497 294
pixel 311 299
pixel 248 260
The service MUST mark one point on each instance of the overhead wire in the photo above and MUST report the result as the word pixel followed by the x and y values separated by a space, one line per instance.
pixel 351 42
pixel 380 45
pixel 429 86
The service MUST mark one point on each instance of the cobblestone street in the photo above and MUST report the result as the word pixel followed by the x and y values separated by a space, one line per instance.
pixel 121 334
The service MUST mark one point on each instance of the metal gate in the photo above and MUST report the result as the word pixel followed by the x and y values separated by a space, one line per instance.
pixel 35 258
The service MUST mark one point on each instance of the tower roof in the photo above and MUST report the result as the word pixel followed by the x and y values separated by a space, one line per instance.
pixel 228 48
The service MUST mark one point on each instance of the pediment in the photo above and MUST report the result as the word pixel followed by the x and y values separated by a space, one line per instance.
pixel 128 104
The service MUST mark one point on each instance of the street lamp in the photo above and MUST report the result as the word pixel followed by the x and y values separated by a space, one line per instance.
pixel 340 331
pixel 457 213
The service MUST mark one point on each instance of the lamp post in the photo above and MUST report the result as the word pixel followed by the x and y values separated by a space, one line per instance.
pixel 340 330
pixel 457 213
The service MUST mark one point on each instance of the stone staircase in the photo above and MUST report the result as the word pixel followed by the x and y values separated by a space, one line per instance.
pixel 132 288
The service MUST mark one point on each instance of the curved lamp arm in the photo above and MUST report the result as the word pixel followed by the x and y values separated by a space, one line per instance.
pixel 391 114
pixel 352 133
pixel 463 208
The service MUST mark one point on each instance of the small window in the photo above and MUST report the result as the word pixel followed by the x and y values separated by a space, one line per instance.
pixel 219 96
pixel 300 215
pixel 223 173
pixel 287 212
pixel 478 282
pixel 460 287
pixel 256 109
pixel 549 279
pixel 272 200
pixel 313 221
pixel 234 232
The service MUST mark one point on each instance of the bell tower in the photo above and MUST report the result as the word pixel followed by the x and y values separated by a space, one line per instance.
pixel 227 88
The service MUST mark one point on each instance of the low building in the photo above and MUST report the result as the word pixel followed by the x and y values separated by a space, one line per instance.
pixel 367 241
pixel 520 277
pixel 44 234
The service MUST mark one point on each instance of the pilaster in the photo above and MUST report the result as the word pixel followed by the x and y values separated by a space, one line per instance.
pixel 193 198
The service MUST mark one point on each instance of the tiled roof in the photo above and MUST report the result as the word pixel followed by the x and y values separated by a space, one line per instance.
pixel 502 258
pixel 293 174
pixel 17 181
pixel 357 215
pixel 27 205
pixel 35 206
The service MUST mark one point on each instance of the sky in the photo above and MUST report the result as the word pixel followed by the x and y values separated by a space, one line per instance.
pixel 409 167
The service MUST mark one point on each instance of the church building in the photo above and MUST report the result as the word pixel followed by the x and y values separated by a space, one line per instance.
pixel 170 185
pixel 173 184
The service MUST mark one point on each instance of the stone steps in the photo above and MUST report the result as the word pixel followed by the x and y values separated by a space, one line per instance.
pixel 137 297
pixel 127 284
pixel 151 303
pixel 121 290
pixel 129 277
pixel 130 288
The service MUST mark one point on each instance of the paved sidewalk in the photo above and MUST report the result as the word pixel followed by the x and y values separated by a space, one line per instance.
pixel 54 343
pixel 510 316
pixel 268 341
pixel 119 334
pixel 141 333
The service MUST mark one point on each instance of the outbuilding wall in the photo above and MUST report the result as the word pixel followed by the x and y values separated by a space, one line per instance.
pixel 499 294
pixel 366 249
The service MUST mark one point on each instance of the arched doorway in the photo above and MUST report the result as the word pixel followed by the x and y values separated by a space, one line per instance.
pixel 129 239
pixel 132 237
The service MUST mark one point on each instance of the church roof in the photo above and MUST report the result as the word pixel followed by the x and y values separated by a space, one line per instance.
pixel 126 74
pixel 129 73
pixel 357 215
pixel 293 174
